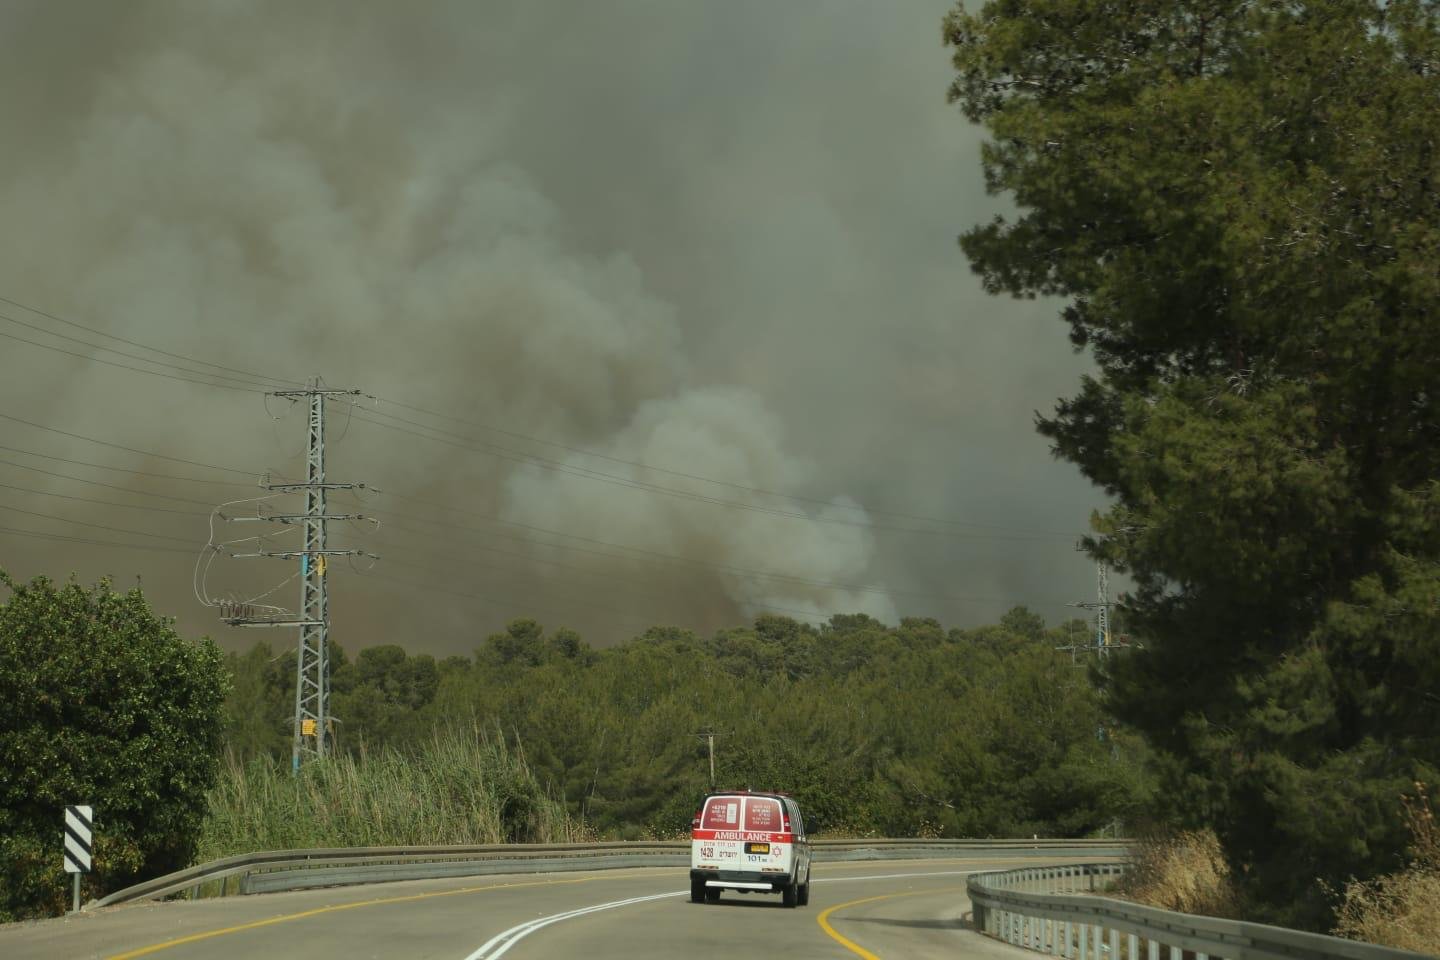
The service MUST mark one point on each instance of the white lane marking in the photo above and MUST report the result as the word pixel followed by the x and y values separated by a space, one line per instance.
pixel 497 945
pixel 502 942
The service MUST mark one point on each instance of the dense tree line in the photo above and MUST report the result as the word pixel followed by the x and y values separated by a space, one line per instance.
pixel 1239 201
pixel 898 730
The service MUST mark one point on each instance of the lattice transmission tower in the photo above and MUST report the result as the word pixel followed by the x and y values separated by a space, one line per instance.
pixel 312 667
pixel 1104 641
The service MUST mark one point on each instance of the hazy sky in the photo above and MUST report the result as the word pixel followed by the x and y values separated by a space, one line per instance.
pixel 716 239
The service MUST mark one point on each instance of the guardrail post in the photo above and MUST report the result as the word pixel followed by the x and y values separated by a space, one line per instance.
pixel 1084 942
pixel 1114 944
pixel 1134 951
pixel 1176 953
pixel 1153 949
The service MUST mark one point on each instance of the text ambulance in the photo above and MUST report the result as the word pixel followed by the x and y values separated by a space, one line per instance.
pixel 750 842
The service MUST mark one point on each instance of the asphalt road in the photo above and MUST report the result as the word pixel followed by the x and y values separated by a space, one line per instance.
pixel 877 909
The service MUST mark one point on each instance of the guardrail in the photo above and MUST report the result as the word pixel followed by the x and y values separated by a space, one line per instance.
pixel 1054 910
pixel 276 870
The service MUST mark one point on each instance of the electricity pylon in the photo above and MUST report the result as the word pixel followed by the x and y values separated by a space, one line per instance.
pixel 1104 641
pixel 312 667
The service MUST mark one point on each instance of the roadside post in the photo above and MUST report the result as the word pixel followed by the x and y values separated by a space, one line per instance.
pixel 79 834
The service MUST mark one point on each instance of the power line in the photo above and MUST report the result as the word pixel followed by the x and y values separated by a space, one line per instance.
pixel 645 555
pixel 16 532
pixel 110 486
pixel 98 526
pixel 650 556
pixel 524 458
pixel 116 446
pixel 122 353
pixel 125 366
pixel 102 466
pixel 103 503
pixel 144 346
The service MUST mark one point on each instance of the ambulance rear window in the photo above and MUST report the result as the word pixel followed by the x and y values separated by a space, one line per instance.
pixel 722 813
pixel 762 814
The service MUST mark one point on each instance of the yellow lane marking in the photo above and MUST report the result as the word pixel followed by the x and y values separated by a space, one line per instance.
pixel 852 946
pixel 285 918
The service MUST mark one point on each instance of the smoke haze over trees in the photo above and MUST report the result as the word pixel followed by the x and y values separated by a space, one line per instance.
pixel 718 240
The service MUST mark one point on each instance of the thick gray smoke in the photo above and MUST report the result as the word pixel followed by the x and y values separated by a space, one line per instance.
pixel 716 239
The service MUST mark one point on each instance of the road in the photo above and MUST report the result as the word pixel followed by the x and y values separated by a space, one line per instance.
pixel 877 909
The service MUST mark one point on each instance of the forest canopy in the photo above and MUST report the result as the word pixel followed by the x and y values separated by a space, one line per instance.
pixel 905 730
pixel 1237 202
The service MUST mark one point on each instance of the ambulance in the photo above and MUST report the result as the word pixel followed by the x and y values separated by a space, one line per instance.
pixel 750 843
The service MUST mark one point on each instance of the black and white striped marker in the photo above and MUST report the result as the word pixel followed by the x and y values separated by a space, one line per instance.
pixel 79 837
pixel 79 834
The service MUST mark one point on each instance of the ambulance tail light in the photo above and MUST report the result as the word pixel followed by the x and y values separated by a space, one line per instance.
pixel 695 820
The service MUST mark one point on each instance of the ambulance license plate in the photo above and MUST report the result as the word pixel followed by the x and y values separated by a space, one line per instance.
pixel 757 848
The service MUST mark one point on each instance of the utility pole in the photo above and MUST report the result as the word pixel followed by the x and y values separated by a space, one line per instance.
pixel 312 666
pixel 709 736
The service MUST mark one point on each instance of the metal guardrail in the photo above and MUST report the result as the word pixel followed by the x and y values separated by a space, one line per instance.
pixel 276 870
pixel 1054 910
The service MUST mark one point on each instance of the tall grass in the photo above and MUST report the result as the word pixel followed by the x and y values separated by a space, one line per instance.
pixel 461 786
pixel 1402 909
pixel 1184 871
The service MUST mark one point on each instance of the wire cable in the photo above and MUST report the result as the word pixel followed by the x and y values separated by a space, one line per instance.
pixel 116 446
pixel 17 532
pixel 110 486
pixel 641 553
pixel 98 526
pixel 124 366
pixel 520 456
pixel 199 583
pixel 122 353
pixel 103 503
pixel 102 466
pixel 143 346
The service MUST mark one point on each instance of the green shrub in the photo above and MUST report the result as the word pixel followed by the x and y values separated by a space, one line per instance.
pixel 101 703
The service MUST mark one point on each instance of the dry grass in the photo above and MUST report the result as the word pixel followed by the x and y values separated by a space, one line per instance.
pixel 1402 909
pixel 1184 871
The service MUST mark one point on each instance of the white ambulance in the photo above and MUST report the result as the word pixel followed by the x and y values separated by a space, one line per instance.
pixel 752 843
